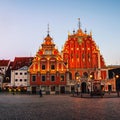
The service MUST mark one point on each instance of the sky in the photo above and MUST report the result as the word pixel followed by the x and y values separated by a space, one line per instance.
pixel 24 25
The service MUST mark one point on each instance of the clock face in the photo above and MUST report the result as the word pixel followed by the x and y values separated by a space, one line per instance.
pixel 48 52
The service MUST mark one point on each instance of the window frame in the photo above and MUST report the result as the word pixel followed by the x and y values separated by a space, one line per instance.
pixel 62 78
pixel 43 67
pixel 51 78
pixel 34 77
pixel 42 78
pixel 52 67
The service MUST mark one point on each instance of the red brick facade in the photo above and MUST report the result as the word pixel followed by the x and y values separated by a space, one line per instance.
pixel 48 68
pixel 83 55
pixel 58 72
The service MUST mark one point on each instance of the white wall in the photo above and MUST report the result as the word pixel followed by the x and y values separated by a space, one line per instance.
pixel 19 77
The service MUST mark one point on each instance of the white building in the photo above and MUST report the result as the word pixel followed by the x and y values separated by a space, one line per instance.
pixel 19 72
pixel 19 77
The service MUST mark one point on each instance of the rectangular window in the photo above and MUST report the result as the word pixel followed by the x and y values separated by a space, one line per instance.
pixel 25 80
pixel 52 78
pixel 20 80
pixel 16 73
pixel 43 67
pixel 34 78
pixel 62 78
pixel 52 67
pixel 20 73
pixel 16 80
pixel 25 73
pixel 43 78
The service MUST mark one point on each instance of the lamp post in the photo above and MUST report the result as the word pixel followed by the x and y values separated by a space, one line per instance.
pixel 80 87
pixel 78 84
pixel 117 84
pixel 91 76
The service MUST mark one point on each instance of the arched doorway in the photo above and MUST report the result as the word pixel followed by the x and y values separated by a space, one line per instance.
pixel 83 87
pixel 85 74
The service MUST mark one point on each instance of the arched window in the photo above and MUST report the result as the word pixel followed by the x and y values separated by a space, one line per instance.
pixel 77 75
pixel 85 74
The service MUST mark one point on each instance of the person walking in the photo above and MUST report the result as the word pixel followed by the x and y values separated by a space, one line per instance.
pixel 40 93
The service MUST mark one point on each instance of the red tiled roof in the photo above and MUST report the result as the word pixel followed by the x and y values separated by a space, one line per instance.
pixel 4 62
pixel 11 63
pixel 21 62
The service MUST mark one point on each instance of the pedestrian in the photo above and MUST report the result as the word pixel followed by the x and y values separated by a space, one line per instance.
pixel 40 93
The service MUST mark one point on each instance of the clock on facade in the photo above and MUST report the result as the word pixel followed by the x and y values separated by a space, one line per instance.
pixel 48 52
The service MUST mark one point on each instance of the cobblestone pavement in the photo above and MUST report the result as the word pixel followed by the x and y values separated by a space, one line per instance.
pixel 58 107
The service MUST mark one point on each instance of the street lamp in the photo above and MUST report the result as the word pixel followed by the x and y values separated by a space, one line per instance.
pixel 78 83
pixel 91 78
pixel 117 84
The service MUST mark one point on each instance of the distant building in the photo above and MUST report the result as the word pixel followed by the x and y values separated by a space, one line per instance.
pixel 114 77
pixel 7 78
pixel 19 72
pixel 4 64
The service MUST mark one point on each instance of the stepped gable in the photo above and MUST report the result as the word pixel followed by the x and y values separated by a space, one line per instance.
pixel 47 52
pixel 81 51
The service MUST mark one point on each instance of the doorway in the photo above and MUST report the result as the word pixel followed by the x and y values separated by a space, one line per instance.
pixel 62 89
pixel 83 87
pixel 33 90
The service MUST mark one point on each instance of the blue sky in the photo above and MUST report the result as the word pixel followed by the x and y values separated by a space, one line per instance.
pixel 23 25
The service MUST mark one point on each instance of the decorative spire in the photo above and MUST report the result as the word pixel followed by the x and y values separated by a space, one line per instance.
pixel 79 25
pixel 91 33
pixel 73 31
pixel 48 30
pixel 85 31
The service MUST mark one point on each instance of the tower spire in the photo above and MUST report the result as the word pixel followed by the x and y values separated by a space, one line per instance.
pixel 79 23
pixel 48 30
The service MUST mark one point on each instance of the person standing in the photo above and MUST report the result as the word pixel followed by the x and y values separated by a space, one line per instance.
pixel 40 93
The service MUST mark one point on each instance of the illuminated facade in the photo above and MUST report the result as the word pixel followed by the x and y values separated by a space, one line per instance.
pixel 79 65
pixel 48 70
pixel 83 58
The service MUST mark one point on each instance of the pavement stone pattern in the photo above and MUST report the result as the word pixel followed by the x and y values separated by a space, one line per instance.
pixel 58 107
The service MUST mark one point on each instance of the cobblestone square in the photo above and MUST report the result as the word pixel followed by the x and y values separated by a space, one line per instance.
pixel 58 107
